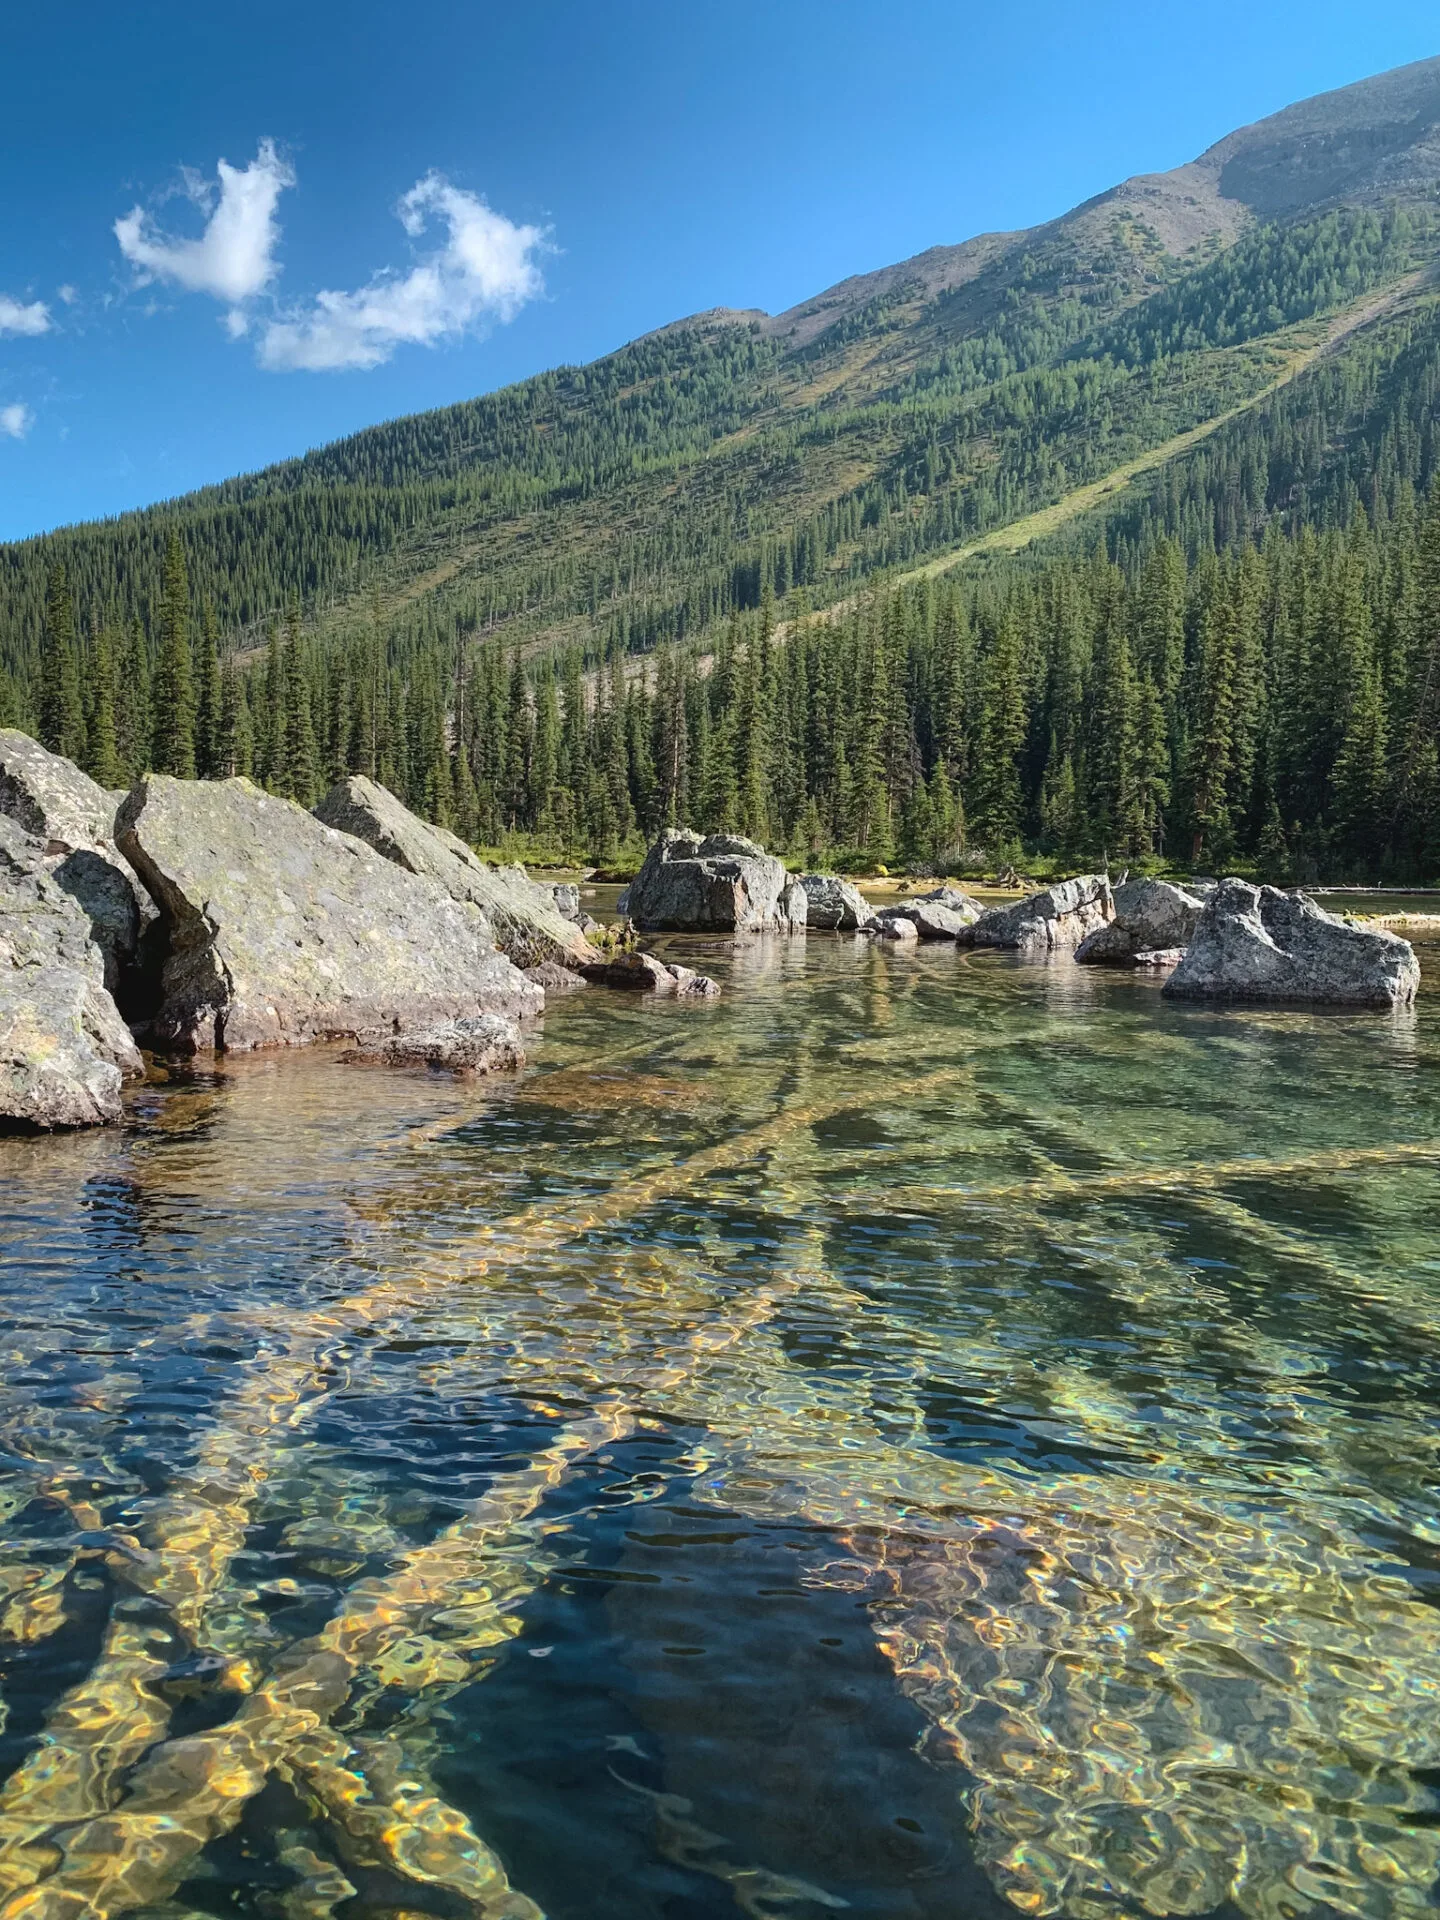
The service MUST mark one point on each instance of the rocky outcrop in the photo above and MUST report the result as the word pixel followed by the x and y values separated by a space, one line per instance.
pixel 723 884
pixel 74 821
pixel 488 1043
pixel 1053 921
pixel 945 914
pixel 1256 943
pixel 643 973
pixel 527 923
pixel 282 931
pixel 64 1050
pixel 1151 916
pixel 833 905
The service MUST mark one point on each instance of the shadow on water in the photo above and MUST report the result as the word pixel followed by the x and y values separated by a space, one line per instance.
pixel 923 1434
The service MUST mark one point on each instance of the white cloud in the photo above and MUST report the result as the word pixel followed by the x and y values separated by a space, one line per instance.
pixel 68 294
pixel 234 259
pixel 16 420
pixel 485 271
pixel 15 318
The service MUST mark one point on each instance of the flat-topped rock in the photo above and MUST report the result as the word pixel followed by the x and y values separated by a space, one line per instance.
pixel 525 918
pixel 720 884
pixel 1055 920
pixel 834 905
pixel 283 931
pixel 1150 916
pixel 485 1043
pixel 1257 943
pixel 64 1050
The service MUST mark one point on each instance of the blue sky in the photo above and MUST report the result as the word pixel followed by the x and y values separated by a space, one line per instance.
pixel 430 200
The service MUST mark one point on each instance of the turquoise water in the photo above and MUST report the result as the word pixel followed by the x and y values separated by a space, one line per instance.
pixel 924 1435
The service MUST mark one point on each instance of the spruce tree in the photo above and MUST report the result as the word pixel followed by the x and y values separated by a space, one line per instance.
pixel 62 716
pixel 208 696
pixel 102 750
pixel 173 693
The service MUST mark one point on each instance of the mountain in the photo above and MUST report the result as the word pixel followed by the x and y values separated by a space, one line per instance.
pixel 895 417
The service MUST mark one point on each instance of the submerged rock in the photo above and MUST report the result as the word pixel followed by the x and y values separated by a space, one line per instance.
pixel 1055 920
pixel 723 884
pixel 73 818
pixel 64 1050
pixel 554 978
pixel 1150 916
pixel 643 973
pixel 833 905
pixel 1256 943
pixel 486 1043
pixel 283 931
pixel 526 921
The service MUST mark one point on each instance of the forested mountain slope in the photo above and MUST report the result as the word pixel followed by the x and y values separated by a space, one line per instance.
pixel 1245 350
pixel 652 492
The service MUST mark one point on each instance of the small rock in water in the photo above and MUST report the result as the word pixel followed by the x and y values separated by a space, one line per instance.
pixel 894 925
pixel 643 973
pixel 488 1043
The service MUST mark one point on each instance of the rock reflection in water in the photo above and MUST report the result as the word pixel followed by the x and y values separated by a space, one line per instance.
pixel 1090 1341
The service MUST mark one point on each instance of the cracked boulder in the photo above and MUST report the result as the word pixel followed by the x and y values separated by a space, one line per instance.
pixel 64 1050
pixel 283 931
pixel 719 884
pixel 1150 916
pixel 1054 920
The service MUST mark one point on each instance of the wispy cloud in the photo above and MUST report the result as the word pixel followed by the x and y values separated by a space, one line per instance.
pixel 15 317
pixel 234 258
pixel 485 272
pixel 16 420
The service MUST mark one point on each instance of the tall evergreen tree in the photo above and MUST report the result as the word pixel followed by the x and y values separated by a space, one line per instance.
pixel 173 693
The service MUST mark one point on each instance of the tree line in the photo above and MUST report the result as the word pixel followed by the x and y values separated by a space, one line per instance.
pixel 1275 706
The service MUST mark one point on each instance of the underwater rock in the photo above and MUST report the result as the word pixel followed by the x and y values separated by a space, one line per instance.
pixel 486 1043
pixel 1150 916
pixel 554 978
pixel 74 820
pixel 1053 921
pixel 526 920
pixel 64 1050
pixel 724 884
pixel 1257 943
pixel 834 905
pixel 283 931
pixel 643 973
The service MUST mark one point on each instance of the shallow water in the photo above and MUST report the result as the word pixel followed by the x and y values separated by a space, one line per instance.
pixel 923 1435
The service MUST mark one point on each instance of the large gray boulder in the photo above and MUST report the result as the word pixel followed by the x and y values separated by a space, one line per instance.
pixel 723 884
pixel 833 905
pixel 74 819
pixel 283 931
pixel 1150 916
pixel 527 923
pixel 1055 920
pixel 1256 943
pixel 64 1050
